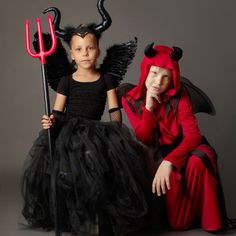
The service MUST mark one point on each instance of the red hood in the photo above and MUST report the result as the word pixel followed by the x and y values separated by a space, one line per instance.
pixel 162 59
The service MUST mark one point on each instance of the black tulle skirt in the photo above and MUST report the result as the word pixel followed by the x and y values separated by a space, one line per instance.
pixel 98 171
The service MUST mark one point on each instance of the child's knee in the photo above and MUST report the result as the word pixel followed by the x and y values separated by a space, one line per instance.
pixel 196 164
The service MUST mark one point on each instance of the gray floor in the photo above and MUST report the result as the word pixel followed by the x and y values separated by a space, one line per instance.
pixel 11 219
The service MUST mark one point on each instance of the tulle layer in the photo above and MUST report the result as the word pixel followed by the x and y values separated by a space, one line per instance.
pixel 98 171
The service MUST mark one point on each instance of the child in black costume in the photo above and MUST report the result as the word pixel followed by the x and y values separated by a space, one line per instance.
pixel 98 169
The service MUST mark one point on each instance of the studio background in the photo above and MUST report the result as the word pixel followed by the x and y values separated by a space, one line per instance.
pixel 204 29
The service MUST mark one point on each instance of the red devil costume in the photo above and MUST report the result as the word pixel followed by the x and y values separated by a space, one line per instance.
pixel 173 130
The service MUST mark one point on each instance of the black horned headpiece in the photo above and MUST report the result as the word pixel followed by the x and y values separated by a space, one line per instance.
pixel 175 55
pixel 82 30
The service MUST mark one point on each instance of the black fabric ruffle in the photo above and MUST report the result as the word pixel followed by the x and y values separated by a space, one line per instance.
pixel 98 170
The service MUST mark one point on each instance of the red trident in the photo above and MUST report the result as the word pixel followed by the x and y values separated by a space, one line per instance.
pixel 42 54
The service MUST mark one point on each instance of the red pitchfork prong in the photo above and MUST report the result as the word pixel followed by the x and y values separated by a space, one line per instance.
pixel 42 53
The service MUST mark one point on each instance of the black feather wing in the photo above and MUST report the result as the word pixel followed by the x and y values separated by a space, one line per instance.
pixel 118 58
pixel 57 64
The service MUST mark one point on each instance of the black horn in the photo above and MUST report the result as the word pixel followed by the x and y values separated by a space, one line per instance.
pixel 106 19
pixel 56 21
pixel 176 54
pixel 149 51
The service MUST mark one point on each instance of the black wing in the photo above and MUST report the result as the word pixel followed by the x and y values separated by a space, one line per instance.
pixel 118 58
pixel 121 91
pixel 57 64
pixel 200 101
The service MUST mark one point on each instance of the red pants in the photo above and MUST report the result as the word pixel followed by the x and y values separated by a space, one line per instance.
pixel 198 204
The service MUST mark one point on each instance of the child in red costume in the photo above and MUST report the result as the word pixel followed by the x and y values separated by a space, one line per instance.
pixel 161 115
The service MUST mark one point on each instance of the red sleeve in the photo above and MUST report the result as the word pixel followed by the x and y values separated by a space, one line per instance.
pixel 143 124
pixel 191 133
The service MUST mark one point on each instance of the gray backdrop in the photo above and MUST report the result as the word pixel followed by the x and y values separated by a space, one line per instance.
pixel 205 29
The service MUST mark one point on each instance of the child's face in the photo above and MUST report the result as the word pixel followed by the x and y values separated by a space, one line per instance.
pixel 84 51
pixel 158 79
